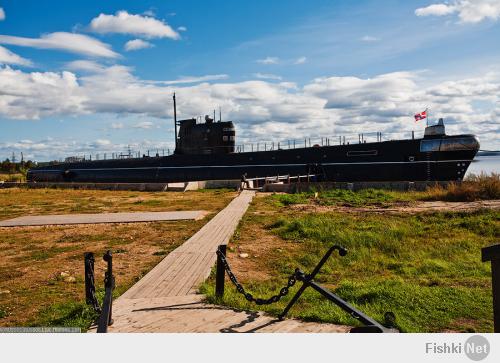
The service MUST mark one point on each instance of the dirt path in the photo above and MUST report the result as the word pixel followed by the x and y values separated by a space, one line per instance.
pixel 412 208
pixel 134 217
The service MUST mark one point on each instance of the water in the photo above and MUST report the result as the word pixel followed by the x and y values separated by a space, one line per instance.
pixel 485 164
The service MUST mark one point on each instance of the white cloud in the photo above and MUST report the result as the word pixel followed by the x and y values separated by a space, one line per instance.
pixel 7 57
pixel 267 76
pixel 386 91
pixel 50 149
pixel 99 143
pixel 436 10
pixel 2 14
pixel 124 23
pixel 70 42
pixel 24 94
pixel 84 65
pixel 269 60
pixel 300 60
pixel 469 11
pixel 369 38
pixel 207 78
pixel 144 125
pixel 325 106
pixel 182 29
pixel 117 125
pixel 137 44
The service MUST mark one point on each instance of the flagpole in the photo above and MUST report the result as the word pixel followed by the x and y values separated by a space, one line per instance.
pixel 427 116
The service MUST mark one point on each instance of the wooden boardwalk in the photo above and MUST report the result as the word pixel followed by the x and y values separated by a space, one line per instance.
pixel 166 299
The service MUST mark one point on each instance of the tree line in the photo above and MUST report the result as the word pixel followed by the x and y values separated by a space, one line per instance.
pixel 9 167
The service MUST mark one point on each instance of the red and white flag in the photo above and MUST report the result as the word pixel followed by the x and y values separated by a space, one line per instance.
pixel 421 115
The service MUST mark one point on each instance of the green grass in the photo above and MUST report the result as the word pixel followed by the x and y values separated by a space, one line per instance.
pixel 72 313
pixel 475 187
pixel 69 314
pixel 344 197
pixel 426 268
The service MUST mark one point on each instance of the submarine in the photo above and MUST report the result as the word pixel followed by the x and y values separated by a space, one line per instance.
pixel 207 151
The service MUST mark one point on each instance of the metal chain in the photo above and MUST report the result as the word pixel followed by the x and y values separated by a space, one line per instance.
pixel 94 302
pixel 259 301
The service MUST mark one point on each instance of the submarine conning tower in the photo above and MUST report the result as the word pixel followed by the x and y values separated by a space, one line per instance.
pixel 434 131
pixel 205 138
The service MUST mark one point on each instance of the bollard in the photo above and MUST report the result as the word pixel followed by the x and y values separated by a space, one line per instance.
pixel 220 274
pixel 492 253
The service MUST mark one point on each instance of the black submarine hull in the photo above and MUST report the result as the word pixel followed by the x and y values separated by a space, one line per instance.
pixel 443 158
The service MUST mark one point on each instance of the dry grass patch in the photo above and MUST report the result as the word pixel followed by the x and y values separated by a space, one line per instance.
pixel 33 258
pixel 14 177
pixel 474 187
pixel 17 202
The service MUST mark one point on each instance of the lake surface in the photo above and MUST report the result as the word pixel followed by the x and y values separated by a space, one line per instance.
pixel 485 164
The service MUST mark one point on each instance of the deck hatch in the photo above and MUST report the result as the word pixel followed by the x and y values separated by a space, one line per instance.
pixel 362 153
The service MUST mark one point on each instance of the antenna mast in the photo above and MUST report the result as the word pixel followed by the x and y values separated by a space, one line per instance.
pixel 175 121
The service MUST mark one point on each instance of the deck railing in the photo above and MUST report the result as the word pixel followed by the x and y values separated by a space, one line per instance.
pixel 264 145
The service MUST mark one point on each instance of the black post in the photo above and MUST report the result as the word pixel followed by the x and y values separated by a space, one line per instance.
pixel 221 273
pixel 109 282
pixel 107 306
pixel 89 278
pixel 492 253
pixel 175 122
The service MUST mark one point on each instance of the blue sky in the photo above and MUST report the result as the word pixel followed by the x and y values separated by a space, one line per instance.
pixel 279 69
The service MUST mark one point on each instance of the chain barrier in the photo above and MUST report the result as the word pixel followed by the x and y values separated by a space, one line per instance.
pixel 259 301
pixel 104 311
pixel 370 325
pixel 91 297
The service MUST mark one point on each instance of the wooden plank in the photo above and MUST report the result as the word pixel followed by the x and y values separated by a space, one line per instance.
pixel 169 274
pixel 166 289
pixel 183 287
